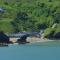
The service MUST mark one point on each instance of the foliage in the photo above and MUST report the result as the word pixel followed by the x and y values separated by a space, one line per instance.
pixel 29 15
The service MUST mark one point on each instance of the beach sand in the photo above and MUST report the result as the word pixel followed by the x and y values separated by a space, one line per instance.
pixel 35 39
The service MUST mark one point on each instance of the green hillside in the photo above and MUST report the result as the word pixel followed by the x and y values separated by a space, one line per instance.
pixel 30 15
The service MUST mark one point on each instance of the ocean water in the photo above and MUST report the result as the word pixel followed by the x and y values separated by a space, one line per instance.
pixel 36 51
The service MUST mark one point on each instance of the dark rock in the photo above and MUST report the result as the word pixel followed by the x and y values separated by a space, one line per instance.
pixel 4 38
pixel 42 26
pixel 57 35
pixel 53 36
pixel 22 40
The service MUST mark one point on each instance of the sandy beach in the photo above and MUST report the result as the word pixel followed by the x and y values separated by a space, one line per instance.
pixel 35 39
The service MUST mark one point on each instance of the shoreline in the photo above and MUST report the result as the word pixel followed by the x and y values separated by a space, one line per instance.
pixel 37 40
pixel 31 40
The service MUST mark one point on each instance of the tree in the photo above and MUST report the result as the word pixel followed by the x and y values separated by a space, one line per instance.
pixel 57 17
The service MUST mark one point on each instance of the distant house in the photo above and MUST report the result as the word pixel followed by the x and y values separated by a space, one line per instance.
pixel 4 38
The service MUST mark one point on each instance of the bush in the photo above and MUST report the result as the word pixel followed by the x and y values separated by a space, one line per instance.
pixel 49 32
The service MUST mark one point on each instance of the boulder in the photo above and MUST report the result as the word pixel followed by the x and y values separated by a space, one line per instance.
pixel 57 35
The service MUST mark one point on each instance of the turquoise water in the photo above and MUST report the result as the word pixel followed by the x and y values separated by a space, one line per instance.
pixel 36 51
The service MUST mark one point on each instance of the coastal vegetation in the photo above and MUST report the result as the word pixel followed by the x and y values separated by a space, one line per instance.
pixel 30 15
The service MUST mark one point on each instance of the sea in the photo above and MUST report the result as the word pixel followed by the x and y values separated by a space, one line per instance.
pixel 31 51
